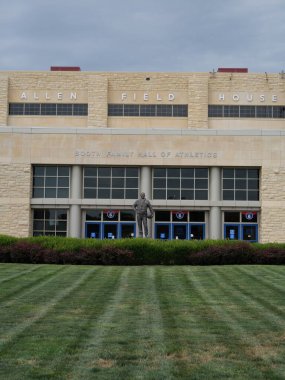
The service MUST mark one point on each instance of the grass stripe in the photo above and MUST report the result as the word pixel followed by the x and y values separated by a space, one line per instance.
pixel 13 333
pixel 239 334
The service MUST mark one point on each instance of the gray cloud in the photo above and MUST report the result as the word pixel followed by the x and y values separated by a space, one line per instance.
pixel 154 35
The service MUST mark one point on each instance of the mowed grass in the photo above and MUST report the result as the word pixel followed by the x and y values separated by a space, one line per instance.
pixel 152 322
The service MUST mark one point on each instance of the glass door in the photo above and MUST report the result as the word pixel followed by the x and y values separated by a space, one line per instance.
pixel 93 230
pixel 231 232
pixel 162 231
pixel 127 230
pixel 179 231
pixel 110 230
pixel 249 232
pixel 197 231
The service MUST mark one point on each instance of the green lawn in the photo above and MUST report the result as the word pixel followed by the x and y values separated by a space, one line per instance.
pixel 148 322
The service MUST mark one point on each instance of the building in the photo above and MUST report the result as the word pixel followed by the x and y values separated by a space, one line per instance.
pixel 208 149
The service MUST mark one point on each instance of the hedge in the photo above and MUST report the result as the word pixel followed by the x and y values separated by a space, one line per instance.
pixel 57 250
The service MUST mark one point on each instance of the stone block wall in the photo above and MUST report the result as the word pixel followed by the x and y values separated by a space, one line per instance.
pixel 15 187
pixel 272 223
pixel 3 100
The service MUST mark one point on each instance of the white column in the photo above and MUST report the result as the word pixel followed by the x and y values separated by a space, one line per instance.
pixel 146 181
pixel 215 219
pixel 76 195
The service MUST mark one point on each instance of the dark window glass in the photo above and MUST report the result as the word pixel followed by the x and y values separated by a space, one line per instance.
pixel 51 182
pixel 201 184
pixel 232 217
pixel 231 111
pixel 187 172
pixel 215 111
pixel 90 182
pixel 162 216
pixel 131 193
pixel 173 183
pixel 201 173
pixel 159 194
pixel 228 184
pixel 180 110
pixel 64 109
pixel 104 172
pixel 118 182
pixel 228 173
pixel 32 109
pixel 240 195
pixel 104 181
pixel 90 193
pixel 16 109
pixel 164 110
pixel 90 172
pixel 253 173
pixel 264 111
pixel 159 172
pixel 48 109
pixel 173 172
pixel 228 195
pixel 187 194
pixel 104 193
pixel 247 111
pixel 132 182
pixel 147 110
pixel 240 173
pixel 131 110
pixel 118 172
pixel 127 215
pixel 201 195
pixel 93 215
pixel 80 109
pixel 50 222
pixel 253 195
pixel 240 184
pixel 279 112
pixel 187 183
pixel 132 172
pixel 173 194
pixel 197 216
pixel 117 193
pixel 115 109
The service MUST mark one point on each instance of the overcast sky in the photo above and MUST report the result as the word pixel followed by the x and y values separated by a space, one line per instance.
pixel 148 35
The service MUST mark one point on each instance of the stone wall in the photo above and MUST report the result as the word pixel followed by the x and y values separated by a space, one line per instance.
pixel 15 180
pixel 272 217
pixel 3 99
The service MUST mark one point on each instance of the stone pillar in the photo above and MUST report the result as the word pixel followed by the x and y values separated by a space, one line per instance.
pixel 146 181
pixel 215 220
pixel 76 195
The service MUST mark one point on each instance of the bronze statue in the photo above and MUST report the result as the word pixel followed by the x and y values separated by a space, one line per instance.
pixel 141 207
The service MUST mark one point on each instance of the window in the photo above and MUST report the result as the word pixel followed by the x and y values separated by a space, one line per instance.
pixel 180 183
pixel 51 181
pixel 111 182
pixel 52 109
pixel 240 184
pixel 49 222
pixel 277 112
pixel 148 110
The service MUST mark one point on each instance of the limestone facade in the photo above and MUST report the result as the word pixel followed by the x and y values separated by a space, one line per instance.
pixel 97 139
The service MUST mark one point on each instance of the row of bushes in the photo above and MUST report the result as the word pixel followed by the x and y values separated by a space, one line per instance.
pixel 50 250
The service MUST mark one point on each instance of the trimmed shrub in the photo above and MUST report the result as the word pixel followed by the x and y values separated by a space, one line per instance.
pixel 57 250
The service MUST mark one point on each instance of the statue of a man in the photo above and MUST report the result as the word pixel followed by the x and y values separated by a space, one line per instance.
pixel 141 206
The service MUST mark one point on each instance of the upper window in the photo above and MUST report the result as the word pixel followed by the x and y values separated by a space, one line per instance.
pixel 111 182
pixel 216 110
pixel 240 184
pixel 148 110
pixel 51 181
pixel 45 109
pixel 180 183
